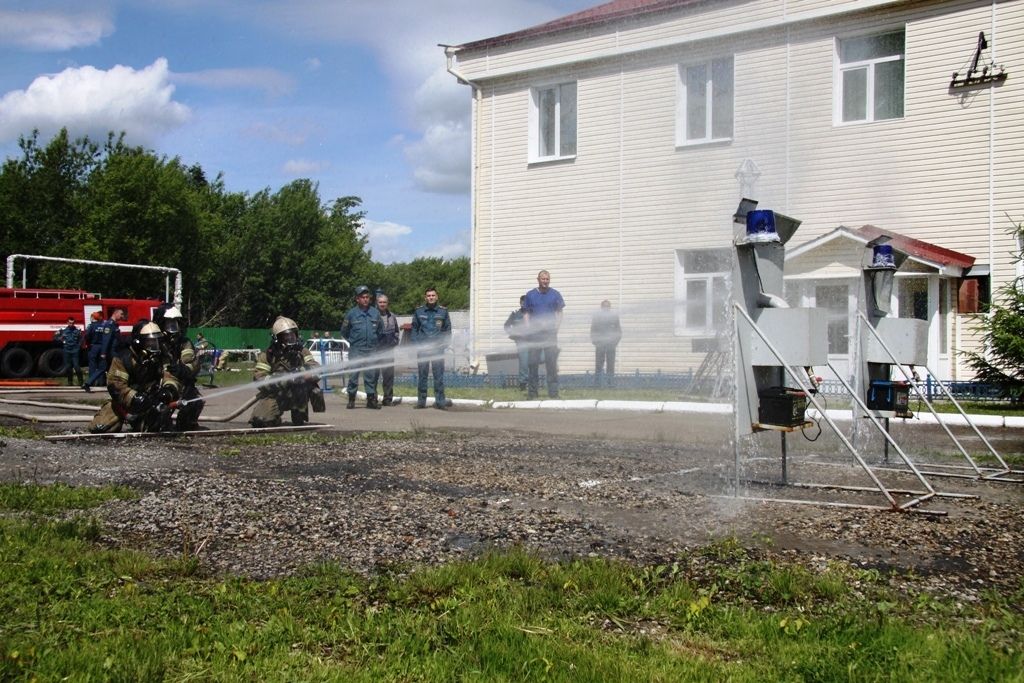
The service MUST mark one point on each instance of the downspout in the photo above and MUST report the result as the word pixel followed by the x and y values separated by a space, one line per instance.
pixel 449 54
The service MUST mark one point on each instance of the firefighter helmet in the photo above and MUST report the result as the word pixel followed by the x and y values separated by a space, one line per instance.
pixel 286 333
pixel 146 339
pixel 172 323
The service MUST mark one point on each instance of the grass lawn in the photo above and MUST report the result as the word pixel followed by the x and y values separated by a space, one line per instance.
pixel 73 609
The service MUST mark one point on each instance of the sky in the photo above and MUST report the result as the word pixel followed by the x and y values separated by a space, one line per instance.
pixel 352 94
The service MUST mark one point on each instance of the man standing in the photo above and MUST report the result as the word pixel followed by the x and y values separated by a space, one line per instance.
pixel 102 347
pixel 515 328
pixel 432 332
pixel 362 329
pixel 388 342
pixel 605 333
pixel 70 339
pixel 543 307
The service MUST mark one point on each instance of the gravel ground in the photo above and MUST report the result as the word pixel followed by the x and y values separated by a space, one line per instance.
pixel 270 506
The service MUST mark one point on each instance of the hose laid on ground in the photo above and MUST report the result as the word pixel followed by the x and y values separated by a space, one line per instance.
pixel 82 418
pixel 44 404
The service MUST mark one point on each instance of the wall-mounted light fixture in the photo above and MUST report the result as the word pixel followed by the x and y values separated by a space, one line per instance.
pixel 977 74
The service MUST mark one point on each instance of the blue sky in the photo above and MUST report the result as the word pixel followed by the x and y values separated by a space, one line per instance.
pixel 350 93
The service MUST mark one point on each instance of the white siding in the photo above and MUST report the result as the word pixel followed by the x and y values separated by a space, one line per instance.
pixel 607 224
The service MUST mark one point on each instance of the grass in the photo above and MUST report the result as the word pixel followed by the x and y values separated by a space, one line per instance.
pixel 75 610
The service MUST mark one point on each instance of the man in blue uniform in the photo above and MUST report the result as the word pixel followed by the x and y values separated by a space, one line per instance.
pixel 362 329
pixel 70 340
pixel 432 332
pixel 543 307
pixel 103 343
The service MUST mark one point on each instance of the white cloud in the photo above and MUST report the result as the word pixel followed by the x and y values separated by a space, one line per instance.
pixel 90 101
pixel 304 167
pixel 282 133
pixel 457 245
pixel 440 158
pixel 313 64
pixel 47 30
pixel 271 81
pixel 405 34
pixel 385 240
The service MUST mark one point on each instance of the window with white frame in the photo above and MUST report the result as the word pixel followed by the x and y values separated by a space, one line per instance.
pixel 702 290
pixel 553 122
pixel 705 110
pixel 870 77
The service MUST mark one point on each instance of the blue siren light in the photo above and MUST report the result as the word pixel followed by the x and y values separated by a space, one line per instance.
pixel 761 226
pixel 882 257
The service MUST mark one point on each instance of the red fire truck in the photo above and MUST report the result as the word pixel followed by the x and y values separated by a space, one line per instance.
pixel 30 317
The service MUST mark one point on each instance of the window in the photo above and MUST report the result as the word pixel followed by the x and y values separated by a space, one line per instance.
pixel 836 302
pixel 705 102
pixel 553 122
pixel 871 78
pixel 702 290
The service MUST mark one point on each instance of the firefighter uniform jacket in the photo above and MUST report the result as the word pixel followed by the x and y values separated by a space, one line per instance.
pixel 70 339
pixel 431 326
pixel 275 362
pixel 362 329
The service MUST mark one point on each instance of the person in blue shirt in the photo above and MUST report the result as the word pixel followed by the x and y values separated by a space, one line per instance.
pixel 70 339
pixel 543 306
pixel 103 343
pixel 432 333
pixel 362 329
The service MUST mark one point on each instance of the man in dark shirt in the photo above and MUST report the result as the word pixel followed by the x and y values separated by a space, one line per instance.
pixel 543 305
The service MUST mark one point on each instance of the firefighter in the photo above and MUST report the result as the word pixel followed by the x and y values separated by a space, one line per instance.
pixel 182 365
pixel 140 391
pixel 70 340
pixel 286 356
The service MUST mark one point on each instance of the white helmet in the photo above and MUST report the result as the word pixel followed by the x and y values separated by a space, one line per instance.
pixel 171 323
pixel 286 333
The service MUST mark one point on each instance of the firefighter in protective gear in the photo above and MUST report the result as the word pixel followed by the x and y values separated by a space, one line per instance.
pixel 291 387
pixel 182 364
pixel 141 393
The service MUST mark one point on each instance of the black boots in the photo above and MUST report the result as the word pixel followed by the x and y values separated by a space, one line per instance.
pixel 351 401
pixel 371 403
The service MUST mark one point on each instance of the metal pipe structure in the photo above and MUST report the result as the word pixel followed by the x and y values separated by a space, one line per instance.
pixel 994 472
pixel 894 505
pixel 177 297
pixel 878 425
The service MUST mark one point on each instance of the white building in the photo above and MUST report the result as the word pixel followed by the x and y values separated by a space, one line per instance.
pixel 611 146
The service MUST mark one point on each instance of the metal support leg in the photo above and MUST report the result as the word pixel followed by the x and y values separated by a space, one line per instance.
pixel 785 478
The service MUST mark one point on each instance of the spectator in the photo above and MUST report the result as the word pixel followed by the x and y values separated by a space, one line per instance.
pixel 432 332
pixel 605 333
pixel 543 317
pixel 515 328
pixel 362 329
pixel 92 340
pixel 389 341
pixel 103 347
pixel 70 339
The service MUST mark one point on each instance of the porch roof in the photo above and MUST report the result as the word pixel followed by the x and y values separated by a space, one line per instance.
pixel 946 261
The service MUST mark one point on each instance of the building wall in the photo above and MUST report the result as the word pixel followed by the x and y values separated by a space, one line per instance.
pixel 607 224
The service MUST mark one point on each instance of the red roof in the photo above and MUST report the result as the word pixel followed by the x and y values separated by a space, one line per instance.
pixel 602 14
pixel 923 250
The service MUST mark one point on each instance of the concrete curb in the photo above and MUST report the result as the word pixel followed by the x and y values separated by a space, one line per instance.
pixel 950 419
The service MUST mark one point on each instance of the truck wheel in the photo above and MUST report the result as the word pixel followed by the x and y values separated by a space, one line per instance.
pixel 16 363
pixel 51 363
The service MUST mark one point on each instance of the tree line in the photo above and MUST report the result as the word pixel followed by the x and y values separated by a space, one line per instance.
pixel 245 258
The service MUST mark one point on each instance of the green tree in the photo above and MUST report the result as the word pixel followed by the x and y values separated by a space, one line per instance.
pixel 406 282
pixel 1002 329
pixel 42 193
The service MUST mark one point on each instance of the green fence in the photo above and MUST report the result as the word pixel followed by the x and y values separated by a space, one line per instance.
pixel 238 337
